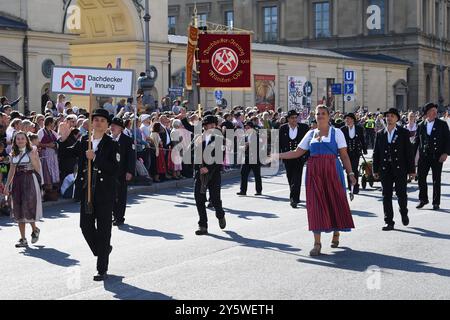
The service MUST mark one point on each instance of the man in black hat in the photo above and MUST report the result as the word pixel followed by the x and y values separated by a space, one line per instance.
pixel 356 144
pixel 433 142
pixel 393 160
pixel 127 167
pixel 251 160
pixel 207 173
pixel 96 219
pixel 291 134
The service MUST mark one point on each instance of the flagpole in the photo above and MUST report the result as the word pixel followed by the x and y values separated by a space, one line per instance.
pixel 197 62
pixel 89 177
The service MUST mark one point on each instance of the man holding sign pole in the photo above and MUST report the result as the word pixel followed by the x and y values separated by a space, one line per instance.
pixel 96 219
pixel 98 154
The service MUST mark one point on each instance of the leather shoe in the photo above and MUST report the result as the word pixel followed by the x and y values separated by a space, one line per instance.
pixel 405 220
pixel 201 231
pixel 118 223
pixel 258 194
pixel 101 277
pixel 241 193
pixel 222 223
pixel 422 204
pixel 436 207
pixel 388 227
pixel 294 205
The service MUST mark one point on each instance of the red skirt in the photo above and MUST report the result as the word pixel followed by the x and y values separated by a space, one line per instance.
pixel 170 164
pixel 326 199
pixel 161 162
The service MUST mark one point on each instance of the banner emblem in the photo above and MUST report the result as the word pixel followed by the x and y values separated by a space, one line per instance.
pixel 225 61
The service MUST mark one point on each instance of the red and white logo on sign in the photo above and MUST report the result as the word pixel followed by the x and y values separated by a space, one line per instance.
pixel 74 82
pixel 225 61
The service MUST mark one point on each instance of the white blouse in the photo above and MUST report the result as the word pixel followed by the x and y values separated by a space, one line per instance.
pixel 312 137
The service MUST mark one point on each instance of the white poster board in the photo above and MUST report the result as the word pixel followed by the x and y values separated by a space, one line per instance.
pixel 103 82
pixel 296 96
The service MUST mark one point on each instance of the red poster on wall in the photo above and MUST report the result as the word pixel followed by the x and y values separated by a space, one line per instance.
pixel 265 92
pixel 225 60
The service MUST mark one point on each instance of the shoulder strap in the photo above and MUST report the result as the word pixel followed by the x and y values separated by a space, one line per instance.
pixel 21 158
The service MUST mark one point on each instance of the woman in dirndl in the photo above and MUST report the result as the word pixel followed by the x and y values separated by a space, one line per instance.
pixel 24 181
pixel 49 157
pixel 326 198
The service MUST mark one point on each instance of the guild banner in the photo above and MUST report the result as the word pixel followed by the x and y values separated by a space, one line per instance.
pixel 190 55
pixel 225 60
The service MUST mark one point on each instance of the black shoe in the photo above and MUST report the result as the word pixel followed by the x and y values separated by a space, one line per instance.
pixel 294 204
pixel 201 231
pixel 241 193
pixel 436 207
pixel 258 194
pixel 388 227
pixel 100 276
pixel 422 204
pixel 222 223
pixel 22 243
pixel 118 223
pixel 35 235
pixel 405 220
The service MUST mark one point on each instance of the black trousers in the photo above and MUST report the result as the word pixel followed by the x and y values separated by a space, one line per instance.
pixel 354 159
pixel 214 186
pixel 424 166
pixel 120 204
pixel 370 138
pixel 96 229
pixel 245 172
pixel 294 172
pixel 390 182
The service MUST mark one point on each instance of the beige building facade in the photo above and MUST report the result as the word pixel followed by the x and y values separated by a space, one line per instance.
pixel 411 30
pixel 98 33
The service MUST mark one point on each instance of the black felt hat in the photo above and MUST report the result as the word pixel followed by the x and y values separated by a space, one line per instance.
pixel 394 112
pixel 102 113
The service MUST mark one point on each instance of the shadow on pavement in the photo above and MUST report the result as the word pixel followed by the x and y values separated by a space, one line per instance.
pixel 150 233
pixel 248 214
pixel 124 291
pixel 256 243
pixel 426 233
pixel 360 261
pixel 365 214
pixel 50 255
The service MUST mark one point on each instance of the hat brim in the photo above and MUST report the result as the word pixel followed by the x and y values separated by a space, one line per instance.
pixel 101 116
pixel 394 113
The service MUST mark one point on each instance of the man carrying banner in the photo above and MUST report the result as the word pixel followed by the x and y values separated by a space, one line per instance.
pixel 96 217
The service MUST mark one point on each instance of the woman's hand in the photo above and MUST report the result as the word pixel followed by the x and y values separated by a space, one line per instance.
pixel 353 180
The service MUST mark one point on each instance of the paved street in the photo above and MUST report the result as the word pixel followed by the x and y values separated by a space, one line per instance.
pixel 263 253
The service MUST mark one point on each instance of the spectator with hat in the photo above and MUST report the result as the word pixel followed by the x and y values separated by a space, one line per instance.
pixel 393 161
pixel 356 145
pixel 127 167
pixel 290 135
pixel 433 142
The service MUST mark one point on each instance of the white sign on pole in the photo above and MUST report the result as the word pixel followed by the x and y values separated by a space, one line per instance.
pixel 296 95
pixel 103 82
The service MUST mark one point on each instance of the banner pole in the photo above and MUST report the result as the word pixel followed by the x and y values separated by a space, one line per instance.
pixel 89 177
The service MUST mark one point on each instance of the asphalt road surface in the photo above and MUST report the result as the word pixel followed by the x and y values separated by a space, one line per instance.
pixel 262 254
